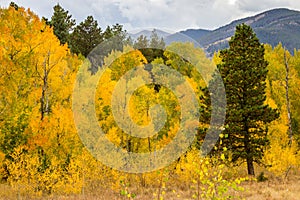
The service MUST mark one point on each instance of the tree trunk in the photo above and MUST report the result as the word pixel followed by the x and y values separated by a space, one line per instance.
pixel 249 157
pixel 44 102
pixel 288 103
pixel 250 166
pixel 44 98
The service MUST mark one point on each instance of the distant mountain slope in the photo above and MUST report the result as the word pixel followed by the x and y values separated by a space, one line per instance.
pixel 274 26
pixel 189 35
pixel 195 33
pixel 148 33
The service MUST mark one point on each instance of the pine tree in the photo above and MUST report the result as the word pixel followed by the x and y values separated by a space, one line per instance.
pixel 14 5
pixel 141 42
pixel 151 49
pixel 115 31
pixel 115 38
pixel 86 36
pixel 156 42
pixel 244 72
pixel 62 23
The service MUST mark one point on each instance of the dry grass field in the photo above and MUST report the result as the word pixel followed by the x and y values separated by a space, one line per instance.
pixel 274 188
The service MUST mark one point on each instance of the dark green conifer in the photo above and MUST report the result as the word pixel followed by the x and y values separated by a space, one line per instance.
pixel 244 71
pixel 62 24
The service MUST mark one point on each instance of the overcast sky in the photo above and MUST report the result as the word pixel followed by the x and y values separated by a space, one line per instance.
pixel 170 15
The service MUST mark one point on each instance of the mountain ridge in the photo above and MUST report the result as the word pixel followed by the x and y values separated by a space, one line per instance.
pixel 279 25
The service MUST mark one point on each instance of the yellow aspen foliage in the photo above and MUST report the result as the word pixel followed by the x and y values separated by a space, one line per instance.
pixel 281 156
pixel 206 176
pixel 118 65
pixel 216 58
pixel 41 152
pixel 23 170
pixel 38 137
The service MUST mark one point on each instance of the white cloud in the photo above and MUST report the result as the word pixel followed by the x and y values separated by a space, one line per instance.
pixel 163 14
pixel 258 5
pixel 166 14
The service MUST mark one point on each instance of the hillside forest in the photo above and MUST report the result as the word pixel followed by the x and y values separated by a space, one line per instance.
pixel 42 154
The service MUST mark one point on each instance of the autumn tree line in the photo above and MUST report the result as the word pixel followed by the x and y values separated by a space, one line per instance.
pixel 41 152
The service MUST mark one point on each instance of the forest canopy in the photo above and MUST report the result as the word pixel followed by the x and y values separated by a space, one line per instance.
pixel 41 61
